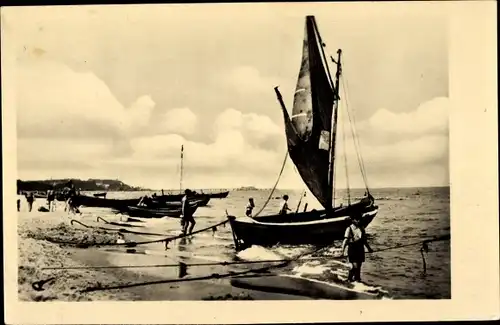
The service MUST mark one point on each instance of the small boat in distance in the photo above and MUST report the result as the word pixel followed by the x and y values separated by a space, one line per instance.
pixel 103 194
pixel 311 132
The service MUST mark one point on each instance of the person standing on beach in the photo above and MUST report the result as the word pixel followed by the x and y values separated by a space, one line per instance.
pixel 30 198
pixel 284 205
pixel 70 203
pixel 51 197
pixel 355 240
pixel 249 207
pixel 18 205
pixel 187 214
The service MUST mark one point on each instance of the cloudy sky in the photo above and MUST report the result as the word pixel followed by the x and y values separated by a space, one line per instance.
pixel 113 92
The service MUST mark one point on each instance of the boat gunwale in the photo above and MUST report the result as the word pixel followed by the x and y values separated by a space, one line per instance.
pixel 325 220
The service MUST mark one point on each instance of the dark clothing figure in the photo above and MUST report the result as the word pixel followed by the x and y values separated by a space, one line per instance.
pixel 355 239
pixel 51 197
pixel 249 207
pixel 187 214
pixel 71 205
pixel 284 206
pixel 30 198
pixel 18 205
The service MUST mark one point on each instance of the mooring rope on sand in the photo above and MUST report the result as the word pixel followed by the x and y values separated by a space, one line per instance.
pixel 183 266
pixel 226 263
pixel 123 224
pixel 183 272
pixel 132 244
pixel 120 230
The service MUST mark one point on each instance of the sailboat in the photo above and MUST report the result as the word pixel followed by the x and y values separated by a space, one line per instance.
pixel 311 139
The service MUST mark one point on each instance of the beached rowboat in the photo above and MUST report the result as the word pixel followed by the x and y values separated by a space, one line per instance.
pixel 123 204
pixel 143 212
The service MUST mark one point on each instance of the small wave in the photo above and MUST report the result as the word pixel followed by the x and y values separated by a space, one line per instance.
pixel 309 268
pixel 258 253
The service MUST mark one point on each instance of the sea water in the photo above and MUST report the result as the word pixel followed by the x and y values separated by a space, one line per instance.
pixel 406 215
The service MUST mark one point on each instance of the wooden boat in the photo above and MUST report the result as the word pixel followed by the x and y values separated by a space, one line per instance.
pixel 179 196
pixel 103 194
pixel 218 195
pixel 144 212
pixel 311 132
pixel 123 204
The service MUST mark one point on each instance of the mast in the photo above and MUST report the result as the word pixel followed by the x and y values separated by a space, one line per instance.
pixel 333 132
pixel 182 168
pixel 333 127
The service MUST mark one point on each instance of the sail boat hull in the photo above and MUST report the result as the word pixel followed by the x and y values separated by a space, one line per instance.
pixel 314 227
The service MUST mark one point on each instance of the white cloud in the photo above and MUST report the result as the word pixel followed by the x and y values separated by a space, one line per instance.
pixel 229 151
pixel 247 79
pixel 256 128
pixel 53 100
pixel 140 111
pixel 178 120
pixel 430 117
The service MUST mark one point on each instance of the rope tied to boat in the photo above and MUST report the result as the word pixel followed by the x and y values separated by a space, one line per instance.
pixel 183 272
pixel 133 244
pixel 183 267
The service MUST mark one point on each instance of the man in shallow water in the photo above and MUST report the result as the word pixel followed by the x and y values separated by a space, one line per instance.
pixel 355 240
pixel 187 213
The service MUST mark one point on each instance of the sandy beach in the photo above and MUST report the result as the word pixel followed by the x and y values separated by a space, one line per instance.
pixel 36 230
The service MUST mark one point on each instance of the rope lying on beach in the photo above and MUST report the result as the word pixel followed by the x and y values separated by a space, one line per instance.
pixel 117 223
pixel 183 266
pixel 225 263
pixel 133 244
pixel 183 272
pixel 120 230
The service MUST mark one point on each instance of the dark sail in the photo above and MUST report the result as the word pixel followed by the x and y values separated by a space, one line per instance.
pixel 308 128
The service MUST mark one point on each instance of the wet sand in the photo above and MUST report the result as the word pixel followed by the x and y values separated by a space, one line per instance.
pixel 35 253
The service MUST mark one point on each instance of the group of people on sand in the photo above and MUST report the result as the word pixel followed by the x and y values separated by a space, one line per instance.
pixel 69 194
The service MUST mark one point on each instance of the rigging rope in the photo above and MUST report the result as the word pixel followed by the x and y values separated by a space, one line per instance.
pixel 274 187
pixel 345 161
pixel 355 137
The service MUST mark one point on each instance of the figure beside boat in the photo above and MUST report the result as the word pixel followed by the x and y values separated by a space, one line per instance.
pixel 355 241
pixel 188 221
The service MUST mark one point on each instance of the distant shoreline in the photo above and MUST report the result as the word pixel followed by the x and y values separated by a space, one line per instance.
pixel 108 185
